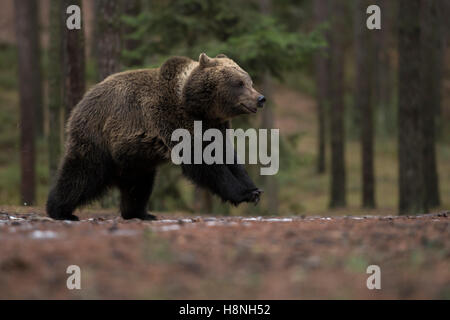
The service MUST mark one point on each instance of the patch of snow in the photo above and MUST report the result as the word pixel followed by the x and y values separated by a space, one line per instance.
pixel 38 234
pixel 15 218
pixel 252 219
pixel 166 221
pixel 171 227
pixel 220 223
pixel 278 220
pixel 124 232
pixel 210 219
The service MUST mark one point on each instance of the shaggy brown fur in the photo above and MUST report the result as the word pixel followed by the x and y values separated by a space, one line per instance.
pixel 121 131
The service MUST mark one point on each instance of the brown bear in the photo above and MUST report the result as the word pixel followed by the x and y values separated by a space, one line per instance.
pixel 120 132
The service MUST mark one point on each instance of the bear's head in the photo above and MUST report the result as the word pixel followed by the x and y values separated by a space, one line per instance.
pixel 219 89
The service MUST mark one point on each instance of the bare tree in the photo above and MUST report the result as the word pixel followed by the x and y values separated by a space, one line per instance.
pixel 411 189
pixel 322 71
pixel 382 75
pixel 107 52
pixel 203 200
pixel 29 91
pixel 337 48
pixel 74 62
pixel 132 8
pixel 54 86
pixel 108 36
pixel 270 182
pixel 432 61
pixel 363 102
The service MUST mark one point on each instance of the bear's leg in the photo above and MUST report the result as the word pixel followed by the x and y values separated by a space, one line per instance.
pixel 135 192
pixel 79 182
pixel 238 171
pixel 218 179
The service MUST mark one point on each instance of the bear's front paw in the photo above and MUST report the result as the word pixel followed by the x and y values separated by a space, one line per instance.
pixel 252 195
pixel 255 195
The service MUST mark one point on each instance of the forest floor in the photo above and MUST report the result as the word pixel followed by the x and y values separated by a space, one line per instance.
pixel 202 257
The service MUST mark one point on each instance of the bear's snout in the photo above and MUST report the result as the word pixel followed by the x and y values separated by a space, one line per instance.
pixel 261 101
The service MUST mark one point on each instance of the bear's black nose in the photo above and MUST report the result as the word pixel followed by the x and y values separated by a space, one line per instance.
pixel 261 100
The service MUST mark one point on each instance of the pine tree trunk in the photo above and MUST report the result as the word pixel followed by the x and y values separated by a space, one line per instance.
pixel 203 200
pixel 270 182
pixel 132 8
pixel 74 62
pixel 29 11
pixel 411 190
pixel 363 102
pixel 444 13
pixel 382 75
pixel 108 36
pixel 338 174
pixel 28 59
pixel 54 86
pixel 432 61
pixel 107 51
pixel 322 71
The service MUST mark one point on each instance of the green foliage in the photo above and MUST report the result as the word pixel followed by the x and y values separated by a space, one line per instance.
pixel 8 67
pixel 258 42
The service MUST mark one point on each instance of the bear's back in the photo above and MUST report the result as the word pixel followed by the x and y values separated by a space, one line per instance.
pixel 113 107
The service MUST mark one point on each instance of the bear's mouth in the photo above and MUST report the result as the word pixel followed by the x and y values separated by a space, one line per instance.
pixel 252 110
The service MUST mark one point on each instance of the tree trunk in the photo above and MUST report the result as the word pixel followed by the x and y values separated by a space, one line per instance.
pixel 203 200
pixel 74 62
pixel 108 36
pixel 267 122
pixel 54 86
pixel 382 75
pixel 363 102
pixel 107 52
pixel 338 175
pixel 29 11
pixel 132 8
pixel 322 71
pixel 410 150
pixel 28 59
pixel 432 61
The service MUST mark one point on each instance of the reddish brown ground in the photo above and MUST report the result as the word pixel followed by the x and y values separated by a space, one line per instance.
pixel 224 258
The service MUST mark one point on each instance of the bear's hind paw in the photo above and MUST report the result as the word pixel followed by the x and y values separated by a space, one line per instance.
pixel 67 218
pixel 149 217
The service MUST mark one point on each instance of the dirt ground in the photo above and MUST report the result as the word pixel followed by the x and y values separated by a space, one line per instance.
pixel 224 257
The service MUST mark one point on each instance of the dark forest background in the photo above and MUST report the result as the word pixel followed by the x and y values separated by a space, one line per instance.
pixel 363 114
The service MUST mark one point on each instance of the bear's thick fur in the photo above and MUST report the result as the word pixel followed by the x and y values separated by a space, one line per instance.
pixel 121 131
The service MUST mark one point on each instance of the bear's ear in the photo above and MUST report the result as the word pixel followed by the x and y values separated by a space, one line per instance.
pixel 221 55
pixel 204 60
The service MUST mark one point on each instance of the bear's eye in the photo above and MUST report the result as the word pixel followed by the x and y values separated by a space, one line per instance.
pixel 240 84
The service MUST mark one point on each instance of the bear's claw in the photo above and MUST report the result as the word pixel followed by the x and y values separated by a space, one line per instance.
pixel 255 196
